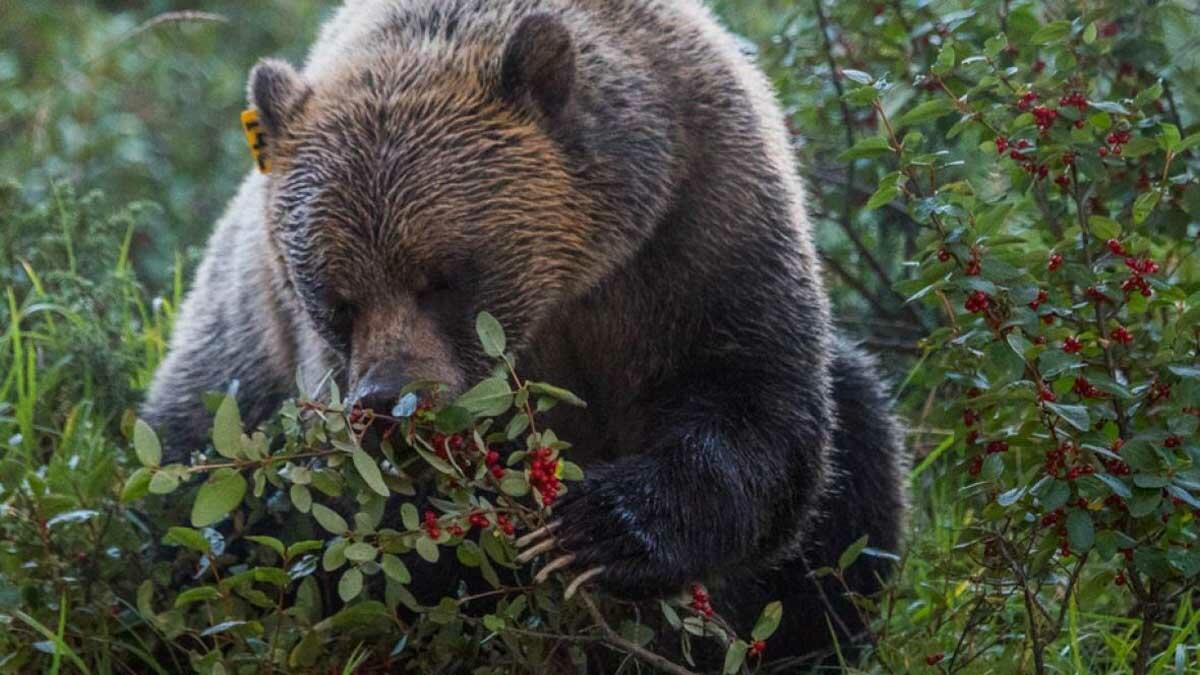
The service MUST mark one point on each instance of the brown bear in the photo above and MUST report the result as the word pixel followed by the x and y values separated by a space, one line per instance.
pixel 612 179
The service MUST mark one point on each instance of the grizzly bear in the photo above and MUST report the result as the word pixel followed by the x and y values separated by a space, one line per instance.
pixel 613 180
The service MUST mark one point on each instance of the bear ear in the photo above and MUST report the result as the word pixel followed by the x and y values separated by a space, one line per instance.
pixel 539 65
pixel 276 90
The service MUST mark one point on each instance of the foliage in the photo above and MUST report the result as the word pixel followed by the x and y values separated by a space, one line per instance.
pixel 1040 287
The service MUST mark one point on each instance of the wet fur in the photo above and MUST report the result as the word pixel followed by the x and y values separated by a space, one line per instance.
pixel 640 230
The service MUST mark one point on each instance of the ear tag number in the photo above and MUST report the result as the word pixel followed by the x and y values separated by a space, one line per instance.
pixel 256 138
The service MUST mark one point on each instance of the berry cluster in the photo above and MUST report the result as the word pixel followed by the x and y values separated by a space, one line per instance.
pixel 1074 100
pixel 506 526
pixel 1085 389
pixel 1056 459
pixel 543 474
pixel 1044 117
pixel 1026 101
pixel 492 460
pixel 700 601
pixel 1055 262
pixel 446 446
pixel 1139 268
pixel 997 447
pixel 1115 142
pixel 977 302
pixel 1072 345
pixel 431 525
pixel 1122 335
pixel 1053 518
pixel 1080 470
pixel 478 519
pixel 1042 297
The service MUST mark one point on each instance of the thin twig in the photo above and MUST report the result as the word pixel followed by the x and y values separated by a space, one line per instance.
pixel 614 639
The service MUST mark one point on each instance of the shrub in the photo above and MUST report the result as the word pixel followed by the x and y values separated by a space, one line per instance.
pixel 1006 197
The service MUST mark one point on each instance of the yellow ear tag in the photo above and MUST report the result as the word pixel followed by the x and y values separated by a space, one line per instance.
pixel 256 138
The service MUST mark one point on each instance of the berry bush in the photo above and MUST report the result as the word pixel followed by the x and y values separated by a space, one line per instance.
pixel 1007 206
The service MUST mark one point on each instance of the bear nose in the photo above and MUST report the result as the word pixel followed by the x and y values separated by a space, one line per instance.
pixel 378 390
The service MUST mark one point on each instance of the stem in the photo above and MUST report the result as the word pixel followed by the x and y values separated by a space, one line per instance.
pixel 614 639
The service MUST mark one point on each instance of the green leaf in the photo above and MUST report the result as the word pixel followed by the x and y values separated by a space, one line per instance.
pixel 851 553
pixel 1169 140
pixel 301 547
pixel 163 482
pixel 493 623
pixel 1190 142
pixel 735 656
pixel 395 569
pixel 1075 415
pixel 516 426
pixel 188 538
pixel 861 96
pixel 409 516
pixel 428 550
pixel 514 484
pixel 227 429
pixel 570 471
pixel 350 585
pixel 329 519
pixel 768 621
pixel 301 497
pixel 1090 33
pixel 871 146
pixel 1052 32
pixel 1081 531
pixel 946 59
pixel 883 196
pixel 1186 372
pixel 369 471
pixel 929 110
pixel 146 445
pixel 489 398
pixel 995 44
pixel 193 595
pixel 1104 228
pixel 222 493
pixel 858 76
pixel 557 393
pixel 137 485
pixel 1144 206
pixel 1101 121
pixel 1115 484
pixel 491 335
pixel 360 552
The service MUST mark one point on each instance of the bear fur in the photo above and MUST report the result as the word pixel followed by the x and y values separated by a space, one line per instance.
pixel 613 180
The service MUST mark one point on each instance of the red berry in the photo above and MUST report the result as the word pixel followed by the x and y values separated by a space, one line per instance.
pixel 1055 262
pixel 970 417
pixel 997 447
pixel 1121 334
pixel 1072 345
pixel 976 465
pixel 757 648
pixel 943 255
